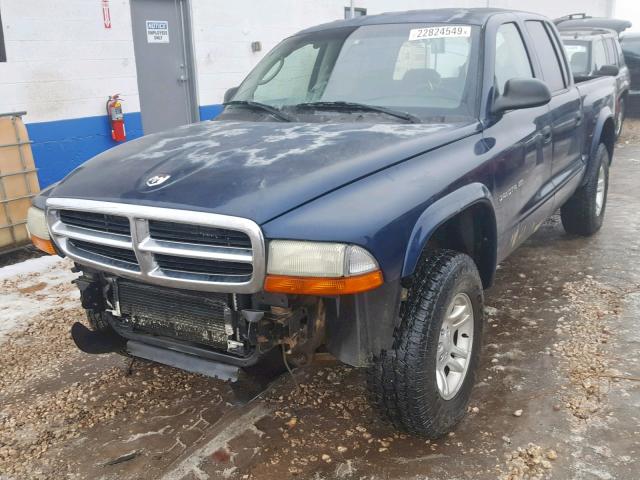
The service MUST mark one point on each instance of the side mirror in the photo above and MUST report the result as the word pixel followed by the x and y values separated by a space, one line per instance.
pixel 228 95
pixel 608 71
pixel 522 93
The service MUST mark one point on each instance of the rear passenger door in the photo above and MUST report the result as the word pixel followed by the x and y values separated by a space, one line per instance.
pixel 565 106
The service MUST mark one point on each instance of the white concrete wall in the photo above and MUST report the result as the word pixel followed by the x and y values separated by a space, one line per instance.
pixel 223 31
pixel 61 61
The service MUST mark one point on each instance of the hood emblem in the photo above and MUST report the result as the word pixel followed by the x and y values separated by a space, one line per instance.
pixel 157 180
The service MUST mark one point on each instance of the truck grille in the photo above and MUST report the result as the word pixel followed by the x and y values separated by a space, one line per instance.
pixel 108 253
pixel 96 221
pixel 176 248
pixel 181 232
pixel 193 317
pixel 195 265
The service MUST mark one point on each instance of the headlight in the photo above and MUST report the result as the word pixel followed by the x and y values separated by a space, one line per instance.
pixel 39 231
pixel 319 268
pixel 37 223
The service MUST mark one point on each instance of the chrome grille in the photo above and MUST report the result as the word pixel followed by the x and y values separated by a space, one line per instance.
pixel 177 248
pixel 96 221
pixel 219 237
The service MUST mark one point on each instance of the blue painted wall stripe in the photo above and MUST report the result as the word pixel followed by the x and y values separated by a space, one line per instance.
pixel 62 145
pixel 207 112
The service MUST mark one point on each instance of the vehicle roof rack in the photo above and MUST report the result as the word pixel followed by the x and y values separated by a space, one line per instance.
pixel 571 16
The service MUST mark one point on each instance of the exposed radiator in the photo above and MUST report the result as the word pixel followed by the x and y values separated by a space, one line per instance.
pixel 198 317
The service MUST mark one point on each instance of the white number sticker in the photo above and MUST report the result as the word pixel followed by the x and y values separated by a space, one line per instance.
pixel 439 32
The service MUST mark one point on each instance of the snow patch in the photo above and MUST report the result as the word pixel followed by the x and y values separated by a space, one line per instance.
pixel 32 287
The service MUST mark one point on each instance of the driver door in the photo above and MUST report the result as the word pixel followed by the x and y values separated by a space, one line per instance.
pixel 522 140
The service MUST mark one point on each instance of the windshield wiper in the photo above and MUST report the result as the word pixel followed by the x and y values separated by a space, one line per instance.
pixel 276 112
pixel 354 106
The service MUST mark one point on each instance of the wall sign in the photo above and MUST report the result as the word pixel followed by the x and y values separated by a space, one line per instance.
pixel 157 31
pixel 106 14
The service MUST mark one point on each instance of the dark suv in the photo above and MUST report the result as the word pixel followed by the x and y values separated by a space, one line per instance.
pixel 592 52
pixel 631 48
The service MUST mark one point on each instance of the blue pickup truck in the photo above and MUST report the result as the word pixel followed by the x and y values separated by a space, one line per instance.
pixel 356 194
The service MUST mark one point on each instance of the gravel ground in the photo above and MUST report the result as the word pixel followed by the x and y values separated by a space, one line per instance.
pixel 557 394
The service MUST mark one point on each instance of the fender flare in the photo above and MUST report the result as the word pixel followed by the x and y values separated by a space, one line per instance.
pixel 439 212
pixel 605 114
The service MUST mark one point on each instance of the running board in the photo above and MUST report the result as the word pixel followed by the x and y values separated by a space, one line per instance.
pixel 183 361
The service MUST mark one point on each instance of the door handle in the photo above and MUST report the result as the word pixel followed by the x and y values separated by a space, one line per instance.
pixel 546 135
pixel 578 119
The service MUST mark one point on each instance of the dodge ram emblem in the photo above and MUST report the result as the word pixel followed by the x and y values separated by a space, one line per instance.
pixel 157 180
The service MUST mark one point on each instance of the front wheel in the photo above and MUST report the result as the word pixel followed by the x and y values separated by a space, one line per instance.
pixel 583 213
pixel 424 382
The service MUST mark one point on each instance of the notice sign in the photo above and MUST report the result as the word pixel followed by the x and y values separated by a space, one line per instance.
pixel 157 31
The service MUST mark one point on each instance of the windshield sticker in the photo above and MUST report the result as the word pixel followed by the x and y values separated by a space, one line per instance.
pixel 439 32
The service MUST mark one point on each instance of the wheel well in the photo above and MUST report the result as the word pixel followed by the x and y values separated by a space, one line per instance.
pixel 608 136
pixel 472 231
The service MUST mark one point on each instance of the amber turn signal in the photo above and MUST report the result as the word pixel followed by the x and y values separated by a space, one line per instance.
pixel 44 245
pixel 323 285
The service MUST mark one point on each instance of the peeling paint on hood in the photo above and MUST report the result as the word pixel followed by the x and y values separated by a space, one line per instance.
pixel 255 170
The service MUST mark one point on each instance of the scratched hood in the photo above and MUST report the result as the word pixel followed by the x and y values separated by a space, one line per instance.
pixel 256 170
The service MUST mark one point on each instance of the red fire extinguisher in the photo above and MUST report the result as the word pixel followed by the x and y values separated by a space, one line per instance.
pixel 116 118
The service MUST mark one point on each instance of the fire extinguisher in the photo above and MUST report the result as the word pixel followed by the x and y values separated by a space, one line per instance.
pixel 116 118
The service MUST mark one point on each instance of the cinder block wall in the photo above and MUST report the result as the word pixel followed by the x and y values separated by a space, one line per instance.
pixel 62 63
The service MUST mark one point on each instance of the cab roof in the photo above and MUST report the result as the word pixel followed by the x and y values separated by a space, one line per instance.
pixel 467 16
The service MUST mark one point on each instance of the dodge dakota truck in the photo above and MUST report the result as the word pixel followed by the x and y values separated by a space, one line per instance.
pixel 356 195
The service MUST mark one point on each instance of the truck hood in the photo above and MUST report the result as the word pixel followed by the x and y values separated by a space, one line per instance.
pixel 255 170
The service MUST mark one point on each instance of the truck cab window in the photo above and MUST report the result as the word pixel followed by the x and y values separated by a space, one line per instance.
pixel 512 60
pixel 611 51
pixel 549 62
pixel 578 54
pixel 599 55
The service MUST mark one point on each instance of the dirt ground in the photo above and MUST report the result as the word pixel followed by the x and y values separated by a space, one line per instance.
pixel 557 395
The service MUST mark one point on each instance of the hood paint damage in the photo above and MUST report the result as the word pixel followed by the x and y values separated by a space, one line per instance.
pixel 256 170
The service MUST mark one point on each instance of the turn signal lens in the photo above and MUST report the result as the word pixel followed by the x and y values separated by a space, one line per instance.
pixel 45 245
pixel 323 286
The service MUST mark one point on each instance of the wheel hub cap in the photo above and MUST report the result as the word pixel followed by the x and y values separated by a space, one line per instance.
pixel 600 191
pixel 455 345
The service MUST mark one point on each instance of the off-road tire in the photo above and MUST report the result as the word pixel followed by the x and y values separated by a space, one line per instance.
pixel 579 214
pixel 402 380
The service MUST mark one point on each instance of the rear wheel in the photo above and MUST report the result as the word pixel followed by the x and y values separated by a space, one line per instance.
pixel 620 114
pixel 584 212
pixel 424 383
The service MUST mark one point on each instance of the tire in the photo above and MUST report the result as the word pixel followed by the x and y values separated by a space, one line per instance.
pixel 583 212
pixel 620 115
pixel 403 381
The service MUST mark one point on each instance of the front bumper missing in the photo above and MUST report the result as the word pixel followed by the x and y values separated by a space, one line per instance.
pixel 183 361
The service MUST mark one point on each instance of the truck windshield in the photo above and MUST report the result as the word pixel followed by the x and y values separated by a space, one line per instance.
pixel 424 70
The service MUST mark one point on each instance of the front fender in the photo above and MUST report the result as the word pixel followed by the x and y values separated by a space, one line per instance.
pixel 436 214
